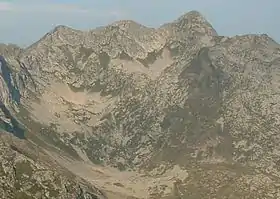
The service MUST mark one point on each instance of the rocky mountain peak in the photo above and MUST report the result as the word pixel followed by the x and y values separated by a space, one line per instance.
pixel 193 14
pixel 192 23
pixel 59 35
pixel 62 29
pixel 128 24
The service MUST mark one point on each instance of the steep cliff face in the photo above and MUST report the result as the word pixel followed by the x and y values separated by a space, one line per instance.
pixel 9 99
pixel 179 111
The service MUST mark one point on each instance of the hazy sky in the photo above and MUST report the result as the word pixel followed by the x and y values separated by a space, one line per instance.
pixel 25 21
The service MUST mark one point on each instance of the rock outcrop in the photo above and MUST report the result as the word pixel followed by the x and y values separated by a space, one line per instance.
pixel 26 172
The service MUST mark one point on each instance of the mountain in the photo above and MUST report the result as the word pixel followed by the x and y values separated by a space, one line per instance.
pixel 128 111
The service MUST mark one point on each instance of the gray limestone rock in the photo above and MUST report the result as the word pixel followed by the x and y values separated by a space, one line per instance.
pixel 172 112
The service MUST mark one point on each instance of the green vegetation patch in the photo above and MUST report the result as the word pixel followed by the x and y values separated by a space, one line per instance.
pixel 23 168
pixel 22 195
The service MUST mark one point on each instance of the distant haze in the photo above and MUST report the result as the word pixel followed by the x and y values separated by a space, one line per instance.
pixel 25 21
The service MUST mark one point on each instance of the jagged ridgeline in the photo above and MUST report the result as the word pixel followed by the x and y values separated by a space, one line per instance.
pixel 136 112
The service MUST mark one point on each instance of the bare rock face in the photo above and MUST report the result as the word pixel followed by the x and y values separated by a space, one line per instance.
pixel 173 112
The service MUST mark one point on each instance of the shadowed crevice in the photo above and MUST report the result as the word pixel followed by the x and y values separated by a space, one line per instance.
pixel 14 126
pixel 6 74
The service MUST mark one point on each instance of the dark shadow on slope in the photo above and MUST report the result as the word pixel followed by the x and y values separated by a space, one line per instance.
pixel 6 74
pixel 196 121
pixel 15 127
pixel 27 73
pixel 151 58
